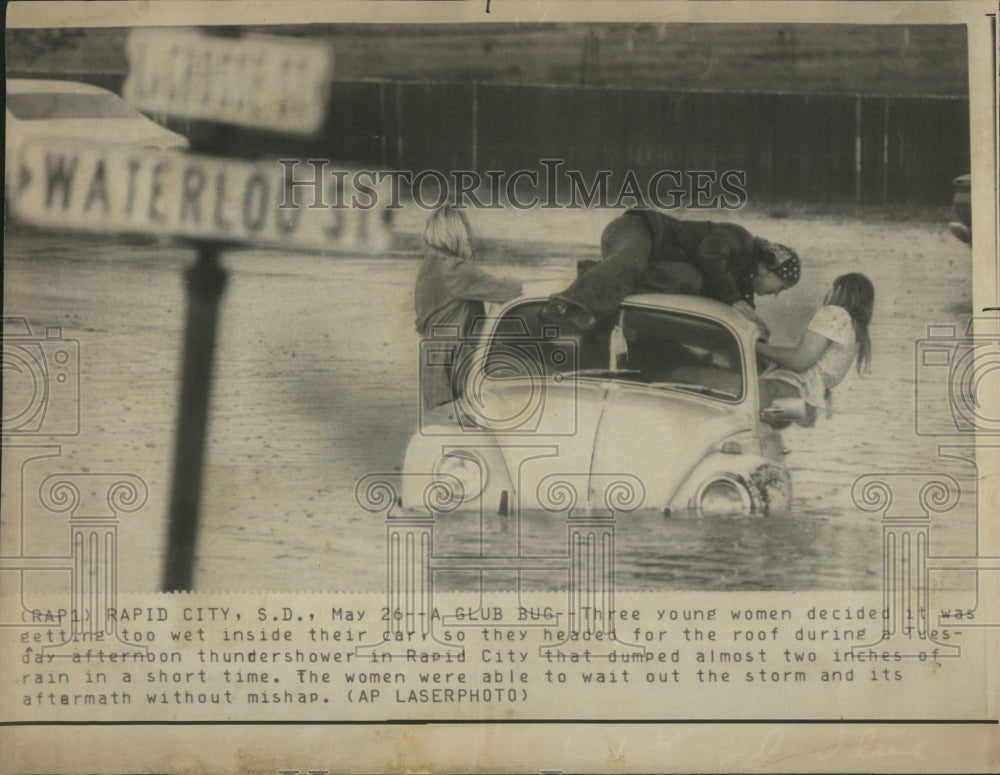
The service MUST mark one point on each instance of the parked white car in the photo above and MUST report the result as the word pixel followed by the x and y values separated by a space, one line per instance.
pixel 961 207
pixel 668 397
pixel 42 109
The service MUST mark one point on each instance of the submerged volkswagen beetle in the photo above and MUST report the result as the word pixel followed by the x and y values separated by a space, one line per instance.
pixel 667 394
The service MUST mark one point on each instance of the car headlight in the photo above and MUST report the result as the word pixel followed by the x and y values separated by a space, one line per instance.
pixel 723 498
pixel 468 469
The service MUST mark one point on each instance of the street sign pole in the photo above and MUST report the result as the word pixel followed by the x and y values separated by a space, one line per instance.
pixel 205 282
pixel 264 82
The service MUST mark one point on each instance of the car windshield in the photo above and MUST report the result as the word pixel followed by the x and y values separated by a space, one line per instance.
pixel 44 106
pixel 664 349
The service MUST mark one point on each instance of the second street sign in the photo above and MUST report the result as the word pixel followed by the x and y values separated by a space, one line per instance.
pixel 262 81
pixel 108 189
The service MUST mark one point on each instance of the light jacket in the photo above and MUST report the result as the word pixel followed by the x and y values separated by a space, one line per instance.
pixel 449 295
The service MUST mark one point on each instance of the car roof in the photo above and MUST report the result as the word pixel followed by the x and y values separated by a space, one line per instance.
pixel 696 305
pixel 43 85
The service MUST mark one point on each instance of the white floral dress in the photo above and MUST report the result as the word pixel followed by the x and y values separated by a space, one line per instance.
pixel 816 383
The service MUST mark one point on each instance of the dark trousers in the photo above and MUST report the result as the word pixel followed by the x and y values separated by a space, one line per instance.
pixel 627 267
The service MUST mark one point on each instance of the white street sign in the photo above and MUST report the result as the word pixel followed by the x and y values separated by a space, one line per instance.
pixel 107 189
pixel 268 82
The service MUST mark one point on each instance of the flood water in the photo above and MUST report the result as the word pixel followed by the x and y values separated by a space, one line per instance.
pixel 315 387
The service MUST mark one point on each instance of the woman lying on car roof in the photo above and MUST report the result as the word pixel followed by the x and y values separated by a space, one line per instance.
pixel 644 250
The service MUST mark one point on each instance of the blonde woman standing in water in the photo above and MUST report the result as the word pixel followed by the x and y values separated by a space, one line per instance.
pixel 449 295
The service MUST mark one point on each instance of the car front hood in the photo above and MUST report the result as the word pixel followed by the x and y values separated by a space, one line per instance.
pixel 590 434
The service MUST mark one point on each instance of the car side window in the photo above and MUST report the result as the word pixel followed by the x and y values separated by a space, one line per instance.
pixel 651 346
pixel 668 347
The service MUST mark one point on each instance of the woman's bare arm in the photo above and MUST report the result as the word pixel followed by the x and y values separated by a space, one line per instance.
pixel 799 358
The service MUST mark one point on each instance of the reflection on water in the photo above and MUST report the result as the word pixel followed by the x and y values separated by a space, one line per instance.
pixel 803 551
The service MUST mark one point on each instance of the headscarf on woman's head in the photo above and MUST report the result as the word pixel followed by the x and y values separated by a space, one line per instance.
pixel 780 260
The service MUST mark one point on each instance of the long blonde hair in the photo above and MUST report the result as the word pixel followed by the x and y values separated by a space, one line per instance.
pixel 448 230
